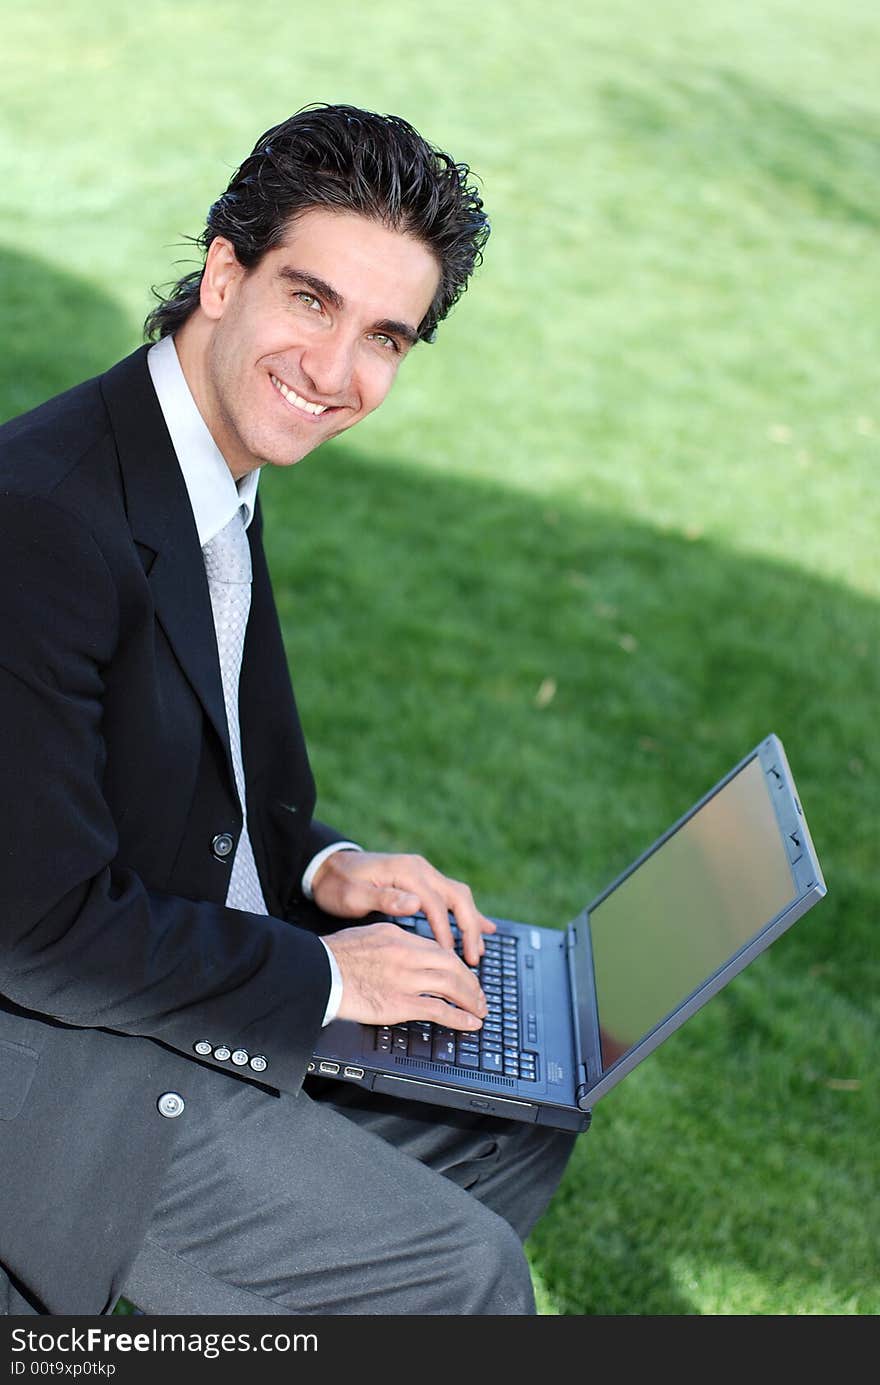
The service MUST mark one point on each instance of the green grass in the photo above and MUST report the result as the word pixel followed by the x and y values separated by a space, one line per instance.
pixel 638 470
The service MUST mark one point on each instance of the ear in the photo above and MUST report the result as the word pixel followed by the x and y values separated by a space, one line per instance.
pixel 221 275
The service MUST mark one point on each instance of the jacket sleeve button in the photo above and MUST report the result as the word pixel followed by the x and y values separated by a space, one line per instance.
pixel 222 845
pixel 203 1048
pixel 221 1053
pixel 240 1057
pixel 259 1063
pixel 170 1104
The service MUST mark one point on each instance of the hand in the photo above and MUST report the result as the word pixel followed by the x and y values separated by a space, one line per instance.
pixel 390 975
pixel 351 884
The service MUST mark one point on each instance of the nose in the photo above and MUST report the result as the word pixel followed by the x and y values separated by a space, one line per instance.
pixel 328 363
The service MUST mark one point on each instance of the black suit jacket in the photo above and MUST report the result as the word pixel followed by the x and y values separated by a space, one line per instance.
pixel 117 953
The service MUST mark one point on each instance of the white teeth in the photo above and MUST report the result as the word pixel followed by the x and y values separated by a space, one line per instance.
pixel 295 399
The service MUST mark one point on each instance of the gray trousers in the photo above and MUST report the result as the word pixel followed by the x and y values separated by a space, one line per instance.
pixel 337 1201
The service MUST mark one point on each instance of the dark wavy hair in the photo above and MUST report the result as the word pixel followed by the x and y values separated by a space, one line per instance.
pixel 341 158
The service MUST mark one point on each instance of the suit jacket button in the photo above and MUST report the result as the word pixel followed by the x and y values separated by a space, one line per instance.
pixel 203 1048
pixel 240 1057
pixel 259 1063
pixel 170 1104
pixel 221 1053
pixel 222 845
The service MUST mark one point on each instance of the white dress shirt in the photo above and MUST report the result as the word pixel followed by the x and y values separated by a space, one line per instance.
pixel 215 496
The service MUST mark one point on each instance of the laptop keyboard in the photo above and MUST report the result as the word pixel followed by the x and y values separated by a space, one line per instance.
pixel 493 1049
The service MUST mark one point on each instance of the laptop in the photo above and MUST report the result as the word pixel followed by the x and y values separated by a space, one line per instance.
pixel 572 1011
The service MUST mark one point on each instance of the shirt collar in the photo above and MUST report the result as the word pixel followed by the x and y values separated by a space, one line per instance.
pixel 213 492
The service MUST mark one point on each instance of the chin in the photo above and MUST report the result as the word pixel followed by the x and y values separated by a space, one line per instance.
pixel 280 453
pixel 284 462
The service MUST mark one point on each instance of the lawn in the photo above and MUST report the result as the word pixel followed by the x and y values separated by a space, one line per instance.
pixel 616 525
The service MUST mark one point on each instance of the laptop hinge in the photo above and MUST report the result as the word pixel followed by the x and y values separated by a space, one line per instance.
pixel 588 1057
pixel 579 1055
pixel 582 1085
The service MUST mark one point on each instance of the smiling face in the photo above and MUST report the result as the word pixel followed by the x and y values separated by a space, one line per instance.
pixel 286 355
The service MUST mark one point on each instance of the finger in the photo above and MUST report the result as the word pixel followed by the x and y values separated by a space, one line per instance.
pixel 471 923
pixel 450 979
pixel 436 911
pixel 388 899
pixel 435 1009
pixel 431 970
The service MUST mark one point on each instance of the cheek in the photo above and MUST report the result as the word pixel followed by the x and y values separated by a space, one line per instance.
pixel 375 380
pixel 230 346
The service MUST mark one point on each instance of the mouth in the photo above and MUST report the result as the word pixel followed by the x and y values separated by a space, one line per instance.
pixel 305 406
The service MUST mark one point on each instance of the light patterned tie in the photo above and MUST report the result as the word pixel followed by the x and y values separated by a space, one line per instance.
pixel 228 565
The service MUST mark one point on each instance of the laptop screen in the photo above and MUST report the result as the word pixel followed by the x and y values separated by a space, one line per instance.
pixel 691 904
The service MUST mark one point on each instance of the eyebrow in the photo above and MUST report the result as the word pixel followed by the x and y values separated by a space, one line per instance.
pixel 329 293
pixel 398 329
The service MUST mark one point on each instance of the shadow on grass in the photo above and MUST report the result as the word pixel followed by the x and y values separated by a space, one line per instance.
pixel 529 695
pixel 57 330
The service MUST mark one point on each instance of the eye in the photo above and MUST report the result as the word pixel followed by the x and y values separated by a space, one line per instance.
pixel 308 300
pixel 387 343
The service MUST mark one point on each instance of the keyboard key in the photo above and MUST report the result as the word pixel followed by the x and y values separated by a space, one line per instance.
pixel 443 1050
pixel 528 1066
pixel 491 1062
pixel 421 1041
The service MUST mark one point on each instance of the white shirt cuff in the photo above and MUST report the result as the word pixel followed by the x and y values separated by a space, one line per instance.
pixel 334 1000
pixel 311 869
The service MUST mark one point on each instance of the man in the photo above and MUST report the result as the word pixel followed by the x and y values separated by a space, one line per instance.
pixel 164 883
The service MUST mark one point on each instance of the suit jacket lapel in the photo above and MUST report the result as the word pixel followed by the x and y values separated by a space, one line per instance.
pixel 164 528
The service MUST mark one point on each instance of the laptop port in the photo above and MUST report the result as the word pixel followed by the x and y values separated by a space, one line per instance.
pixel 328 1067
pixel 352 1072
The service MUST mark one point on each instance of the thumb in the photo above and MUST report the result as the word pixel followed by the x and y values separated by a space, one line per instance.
pixel 394 901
